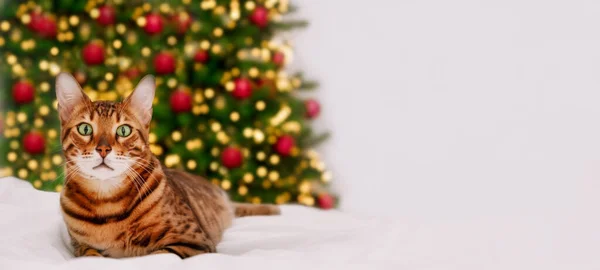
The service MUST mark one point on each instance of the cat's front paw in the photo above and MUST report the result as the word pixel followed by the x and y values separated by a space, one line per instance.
pixel 92 253
pixel 82 251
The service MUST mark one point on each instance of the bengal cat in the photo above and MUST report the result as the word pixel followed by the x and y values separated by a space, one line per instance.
pixel 118 200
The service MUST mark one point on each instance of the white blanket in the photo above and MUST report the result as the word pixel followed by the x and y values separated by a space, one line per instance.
pixel 304 238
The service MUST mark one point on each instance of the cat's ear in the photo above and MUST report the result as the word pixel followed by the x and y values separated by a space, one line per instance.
pixel 140 101
pixel 68 94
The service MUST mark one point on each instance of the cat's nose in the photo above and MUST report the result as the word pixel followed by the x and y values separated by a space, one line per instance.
pixel 103 150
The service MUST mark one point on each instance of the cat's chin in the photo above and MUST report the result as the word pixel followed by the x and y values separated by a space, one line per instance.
pixel 104 173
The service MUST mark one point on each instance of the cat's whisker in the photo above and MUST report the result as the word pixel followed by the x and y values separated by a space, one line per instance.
pixel 138 182
pixel 68 176
pixel 147 168
pixel 136 177
pixel 133 181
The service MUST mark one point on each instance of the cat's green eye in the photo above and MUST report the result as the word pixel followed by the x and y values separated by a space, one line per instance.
pixel 85 129
pixel 124 130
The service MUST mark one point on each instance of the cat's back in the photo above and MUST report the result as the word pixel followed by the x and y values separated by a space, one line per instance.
pixel 190 182
pixel 209 203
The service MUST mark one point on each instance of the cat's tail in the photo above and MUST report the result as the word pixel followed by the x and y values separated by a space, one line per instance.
pixel 247 209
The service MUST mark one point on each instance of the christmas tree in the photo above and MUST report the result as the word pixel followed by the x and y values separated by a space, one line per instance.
pixel 225 109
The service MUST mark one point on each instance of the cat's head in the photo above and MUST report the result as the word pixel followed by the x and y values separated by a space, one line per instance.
pixel 104 140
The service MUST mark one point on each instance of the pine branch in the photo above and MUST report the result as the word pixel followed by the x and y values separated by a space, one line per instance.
pixel 316 140
pixel 292 9
pixel 308 85
pixel 289 25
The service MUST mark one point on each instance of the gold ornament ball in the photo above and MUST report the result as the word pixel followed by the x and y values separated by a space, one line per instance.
pixel 274 159
pixel 172 160
pixel 214 166
pixel 22 173
pixel 226 184
pixel 44 110
pixel 215 126
pixel 11 156
pixel 46 164
pixel 266 184
pixel 152 138
pixel 248 132
pixel 14 145
pixel 248 178
pixel 260 105
pixel 191 164
pixel 209 93
pixel 243 190
pixel 45 87
pixel 273 176
pixel 21 117
pixel 261 171
pixel 234 116
pixel 256 200
pixel 57 160
pixel 52 133
pixel 32 164
pixel 176 136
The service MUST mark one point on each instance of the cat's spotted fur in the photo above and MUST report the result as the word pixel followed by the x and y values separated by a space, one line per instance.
pixel 118 200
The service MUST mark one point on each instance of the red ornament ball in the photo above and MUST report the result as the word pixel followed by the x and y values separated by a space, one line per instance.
pixel 312 107
pixel 326 201
pixel 231 157
pixel 34 143
pixel 164 63
pixel 132 73
pixel 107 15
pixel 181 101
pixel 242 89
pixel 80 77
pixel 47 27
pixel 93 54
pixel 279 58
pixel 23 92
pixel 182 22
pixel 201 56
pixel 260 17
pixel 154 24
pixel 284 145
pixel 35 24
pixel 43 25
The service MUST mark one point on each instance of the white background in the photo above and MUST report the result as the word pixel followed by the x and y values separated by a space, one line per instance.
pixel 458 109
